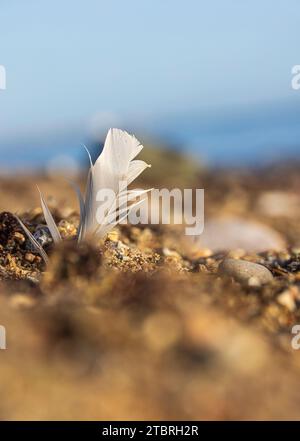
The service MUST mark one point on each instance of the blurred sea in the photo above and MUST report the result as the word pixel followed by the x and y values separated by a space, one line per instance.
pixel 227 138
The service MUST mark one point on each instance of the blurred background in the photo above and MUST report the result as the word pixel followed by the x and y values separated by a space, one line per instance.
pixel 143 326
pixel 212 79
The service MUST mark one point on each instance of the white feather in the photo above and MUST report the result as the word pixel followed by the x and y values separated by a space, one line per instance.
pixel 82 208
pixel 49 220
pixel 114 169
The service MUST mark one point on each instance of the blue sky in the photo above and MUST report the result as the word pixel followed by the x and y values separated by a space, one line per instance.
pixel 143 61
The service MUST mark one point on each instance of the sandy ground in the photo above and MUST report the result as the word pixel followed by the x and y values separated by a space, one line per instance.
pixel 142 325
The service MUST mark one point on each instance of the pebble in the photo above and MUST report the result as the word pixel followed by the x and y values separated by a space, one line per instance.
pixel 245 272
pixel 289 297
pixel 286 299
pixel 232 233
pixel 170 253
pixel 42 236
pixel 66 229
pixel 19 237
pixel 30 257
pixel 113 236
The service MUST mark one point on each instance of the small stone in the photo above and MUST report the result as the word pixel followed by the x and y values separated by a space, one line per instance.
pixel 42 236
pixel 286 299
pixel 244 272
pixel 67 229
pixel 113 236
pixel 30 257
pixel 19 237
pixel 170 253
pixel 234 233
